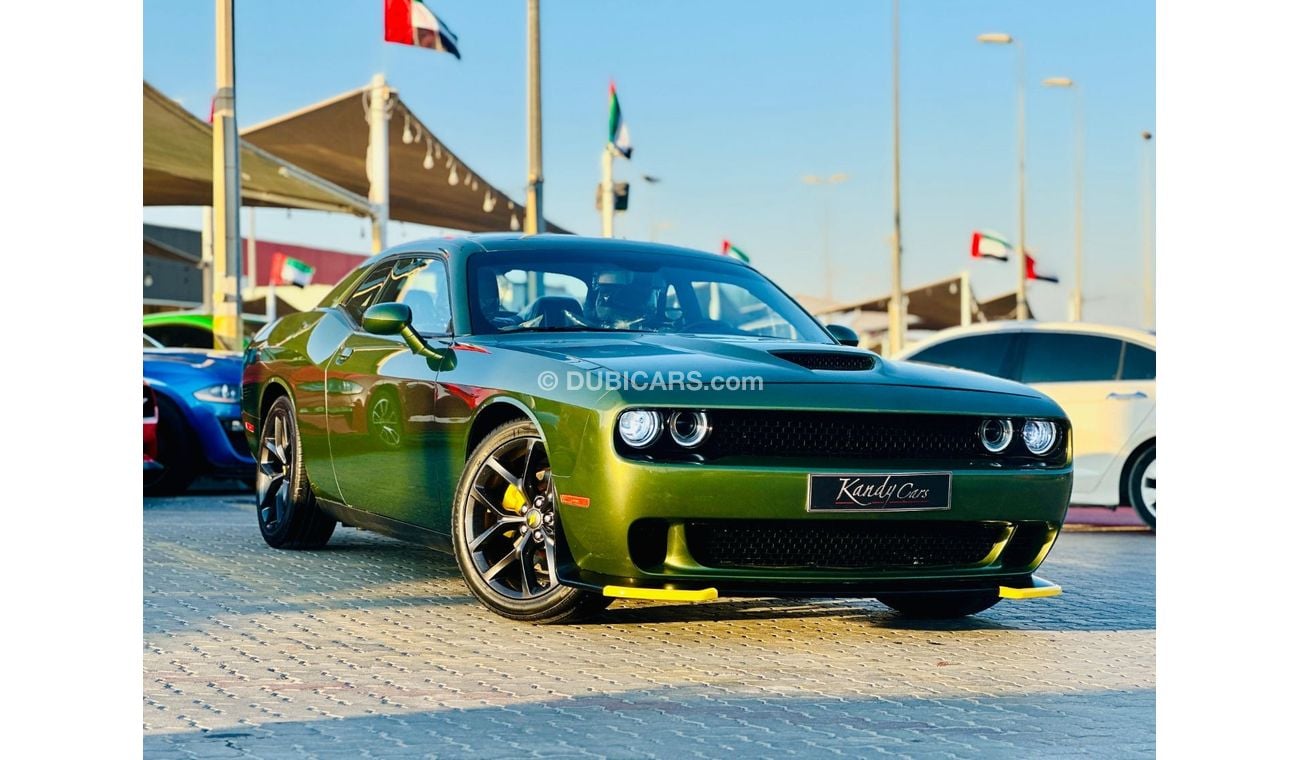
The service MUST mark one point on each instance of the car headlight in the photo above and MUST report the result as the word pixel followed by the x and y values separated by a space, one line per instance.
pixel 688 429
pixel 996 434
pixel 225 393
pixel 640 428
pixel 1039 436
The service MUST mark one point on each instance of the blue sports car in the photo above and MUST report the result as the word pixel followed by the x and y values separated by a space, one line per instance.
pixel 199 429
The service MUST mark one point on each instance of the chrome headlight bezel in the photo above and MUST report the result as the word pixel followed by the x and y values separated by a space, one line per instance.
pixel 1044 435
pixel 640 428
pixel 996 434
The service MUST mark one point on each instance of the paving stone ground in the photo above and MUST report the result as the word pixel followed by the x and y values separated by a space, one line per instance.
pixel 374 648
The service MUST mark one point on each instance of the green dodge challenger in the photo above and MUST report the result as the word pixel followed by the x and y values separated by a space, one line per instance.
pixel 579 420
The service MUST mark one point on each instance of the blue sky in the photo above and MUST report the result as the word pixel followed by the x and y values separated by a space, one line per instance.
pixel 731 103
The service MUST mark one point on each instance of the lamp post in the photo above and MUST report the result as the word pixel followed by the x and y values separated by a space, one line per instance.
pixel 828 181
pixel 534 222
pixel 1148 249
pixel 1076 304
pixel 1022 306
pixel 897 307
pixel 227 258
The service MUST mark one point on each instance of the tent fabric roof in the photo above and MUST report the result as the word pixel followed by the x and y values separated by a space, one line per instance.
pixel 178 167
pixel 935 306
pixel 330 140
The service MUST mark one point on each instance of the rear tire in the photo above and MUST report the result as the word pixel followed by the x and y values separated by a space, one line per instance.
pixel 1140 488
pixel 495 533
pixel 177 452
pixel 940 605
pixel 287 512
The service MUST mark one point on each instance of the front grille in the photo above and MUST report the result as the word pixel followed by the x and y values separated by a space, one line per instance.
pixel 866 435
pixel 856 545
pixel 841 361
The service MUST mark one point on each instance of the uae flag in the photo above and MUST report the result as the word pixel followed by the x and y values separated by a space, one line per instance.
pixel 619 137
pixel 989 245
pixel 730 250
pixel 290 271
pixel 410 22
pixel 1035 272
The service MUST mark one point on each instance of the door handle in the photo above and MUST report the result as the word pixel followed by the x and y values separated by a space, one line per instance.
pixel 343 355
pixel 1126 396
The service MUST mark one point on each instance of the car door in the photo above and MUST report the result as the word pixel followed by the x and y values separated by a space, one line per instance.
pixel 1081 372
pixel 384 441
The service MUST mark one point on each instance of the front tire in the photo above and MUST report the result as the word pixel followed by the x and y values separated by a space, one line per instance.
pixel 506 531
pixel 1141 486
pixel 940 605
pixel 287 512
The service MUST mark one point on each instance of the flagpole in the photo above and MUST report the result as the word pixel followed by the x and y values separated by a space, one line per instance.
pixel 227 327
pixel 1148 261
pixel 534 221
pixel 607 191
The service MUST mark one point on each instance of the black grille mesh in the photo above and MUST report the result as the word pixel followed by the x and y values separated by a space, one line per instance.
pixel 883 436
pixel 875 544
pixel 828 360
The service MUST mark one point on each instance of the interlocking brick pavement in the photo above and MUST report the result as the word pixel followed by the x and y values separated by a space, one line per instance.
pixel 374 648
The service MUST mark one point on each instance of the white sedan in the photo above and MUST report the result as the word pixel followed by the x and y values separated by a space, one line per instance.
pixel 1103 376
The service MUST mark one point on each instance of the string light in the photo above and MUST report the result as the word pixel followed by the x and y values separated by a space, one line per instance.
pixel 514 222
pixel 489 203
pixel 407 137
pixel 428 155
pixel 453 178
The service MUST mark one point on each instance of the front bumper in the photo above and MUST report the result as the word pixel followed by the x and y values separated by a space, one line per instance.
pixel 626 501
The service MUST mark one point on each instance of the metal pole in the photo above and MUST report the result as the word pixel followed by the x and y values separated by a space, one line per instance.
pixel 250 282
pixel 826 247
pixel 534 222
pixel 227 327
pixel 1148 247
pixel 897 309
pixel 607 191
pixel 1078 203
pixel 966 298
pixel 377 162
pixel 1022 305
pixel 205 259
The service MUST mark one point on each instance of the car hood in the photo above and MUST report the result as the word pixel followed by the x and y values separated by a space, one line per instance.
pixel 223 366
pixel 626 353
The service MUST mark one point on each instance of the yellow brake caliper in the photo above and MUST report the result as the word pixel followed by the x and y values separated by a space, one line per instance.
pixel 514 499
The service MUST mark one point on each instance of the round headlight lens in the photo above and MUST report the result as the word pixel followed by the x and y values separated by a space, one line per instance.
pixel 688 429
pixel 996 434
pixel 1039 435
pixel 640 427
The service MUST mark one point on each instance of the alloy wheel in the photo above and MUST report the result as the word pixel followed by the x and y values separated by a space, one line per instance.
pixel 509 526
pixel 1148 487
pixel 274 473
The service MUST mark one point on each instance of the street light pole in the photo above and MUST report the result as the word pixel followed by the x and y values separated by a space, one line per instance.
pixel 1148 249
pixel 897 308
pixel 1022 304
pixel 227 327
pixel 534 222
pixel 1076 305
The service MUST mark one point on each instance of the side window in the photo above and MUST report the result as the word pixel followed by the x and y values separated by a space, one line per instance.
pixel 421 283
pixel 368 292
pixel 978 353
pixel 1069 358
pixel 1139 363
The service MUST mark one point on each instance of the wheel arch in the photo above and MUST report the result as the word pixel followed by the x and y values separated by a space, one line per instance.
pixel 1127 470
pixel 271 390
pixel 493 415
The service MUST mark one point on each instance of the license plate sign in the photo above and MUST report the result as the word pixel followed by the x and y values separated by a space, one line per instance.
pixel 891 492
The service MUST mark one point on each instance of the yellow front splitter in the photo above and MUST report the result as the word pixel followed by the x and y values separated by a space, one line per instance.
pixel 1040 589
pixel 662 594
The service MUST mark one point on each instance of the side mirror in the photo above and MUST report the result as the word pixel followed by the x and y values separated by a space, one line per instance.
pixel 386 318
pixel 843 335
pixel 395 319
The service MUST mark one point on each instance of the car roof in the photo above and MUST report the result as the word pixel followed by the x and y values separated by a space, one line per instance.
pixel 458 247
pixel 1143 337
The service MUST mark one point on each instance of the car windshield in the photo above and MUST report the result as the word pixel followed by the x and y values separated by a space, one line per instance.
pixel 535 291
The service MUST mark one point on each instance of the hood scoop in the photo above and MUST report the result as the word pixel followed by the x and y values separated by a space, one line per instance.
pixel 836 361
